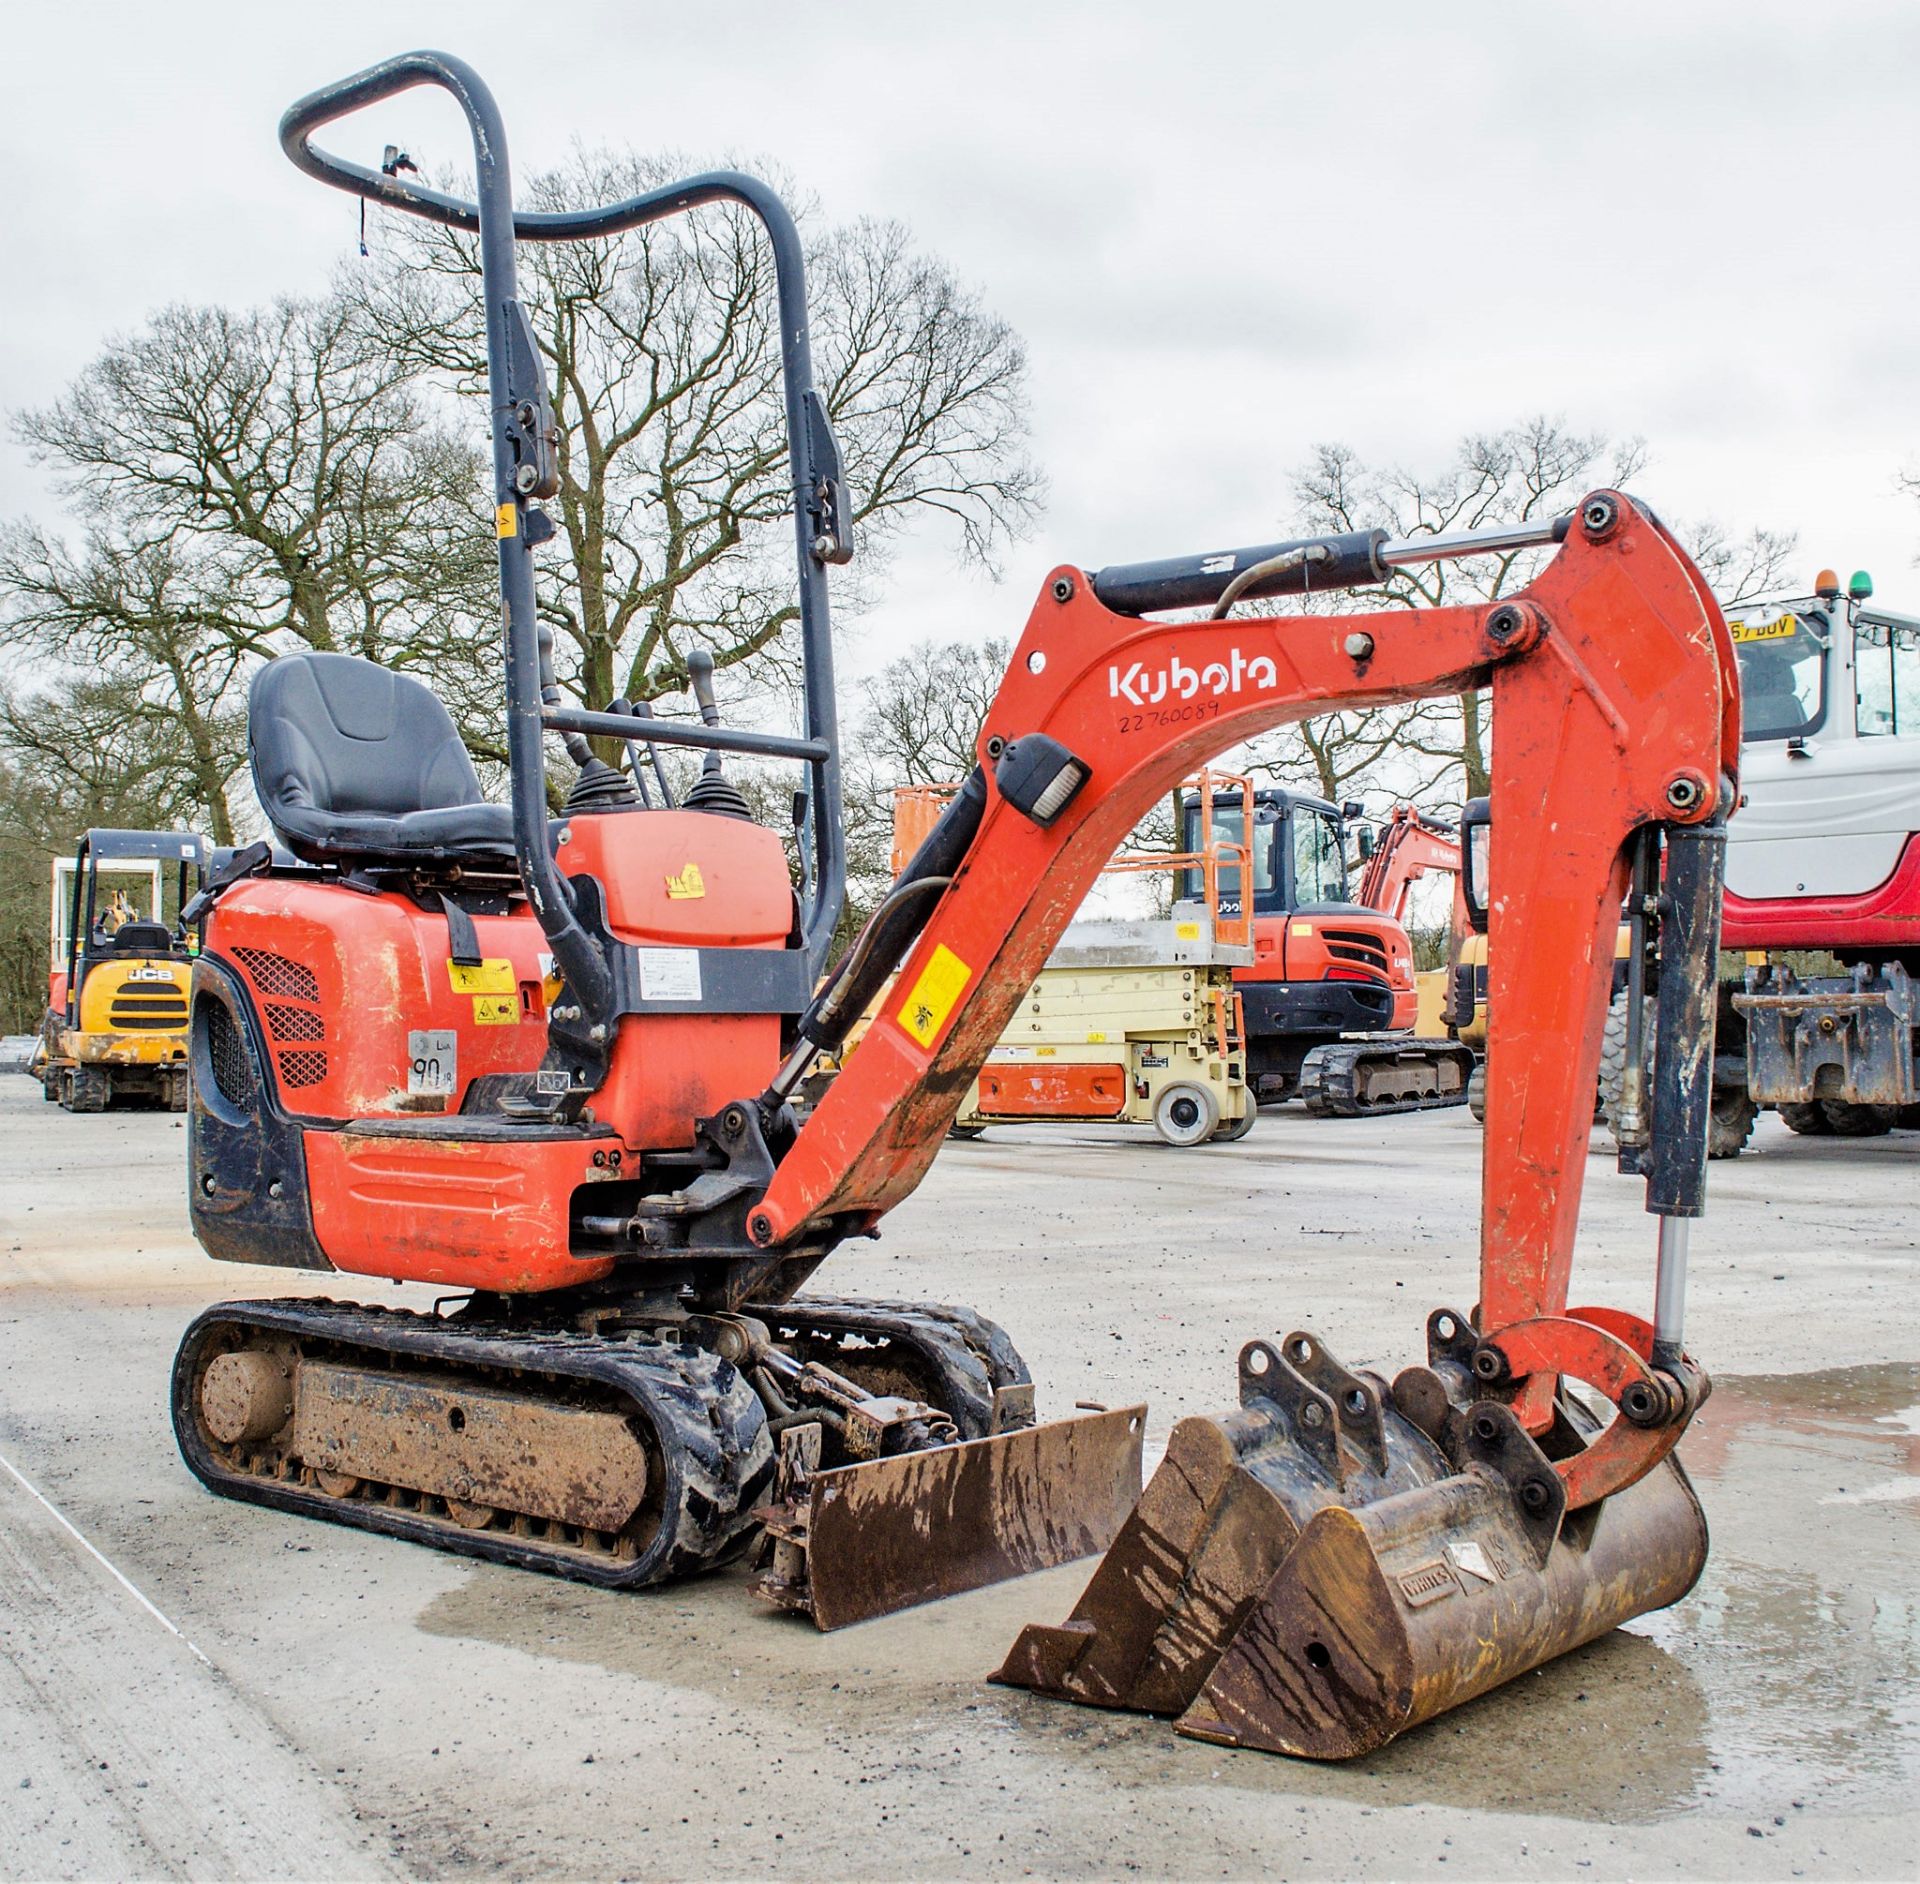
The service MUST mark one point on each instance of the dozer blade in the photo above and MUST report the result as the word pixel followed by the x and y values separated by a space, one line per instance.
pixel 864 1540
pixel 1336 1562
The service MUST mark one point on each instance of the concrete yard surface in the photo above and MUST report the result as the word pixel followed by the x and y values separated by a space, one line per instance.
pixel 191 1687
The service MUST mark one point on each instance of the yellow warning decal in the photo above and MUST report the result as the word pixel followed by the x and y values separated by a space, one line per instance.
pixel 1096 1040
pixel 496 1010
pixel 1302 928
pixel 684 885
pixel 492 976
pixel 1187 931
pixel 506 520
pixel 1782 629
pixel 940 985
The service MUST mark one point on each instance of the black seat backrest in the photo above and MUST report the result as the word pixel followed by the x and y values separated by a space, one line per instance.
pixel 141 938
pixel 352 760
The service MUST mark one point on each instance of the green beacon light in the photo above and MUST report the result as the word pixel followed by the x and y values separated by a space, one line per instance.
pixel 1859 586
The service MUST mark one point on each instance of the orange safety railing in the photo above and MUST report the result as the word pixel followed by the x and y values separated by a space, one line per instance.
pixel 1216 853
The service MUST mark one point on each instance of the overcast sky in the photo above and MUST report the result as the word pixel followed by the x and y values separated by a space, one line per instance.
pixel 1227 233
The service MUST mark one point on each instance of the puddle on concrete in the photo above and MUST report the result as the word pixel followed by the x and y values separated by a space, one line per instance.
pixel 1804 1634
pixel 1790 1673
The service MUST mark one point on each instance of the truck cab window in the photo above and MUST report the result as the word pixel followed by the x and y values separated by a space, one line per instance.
pixel 1229 827
pixel 1886 675
pixel 1782 674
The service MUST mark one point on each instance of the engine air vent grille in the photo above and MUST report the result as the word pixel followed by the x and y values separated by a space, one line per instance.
pixel 275 974
pixel 294 1023
pixel 228 1052
pixel 302 1069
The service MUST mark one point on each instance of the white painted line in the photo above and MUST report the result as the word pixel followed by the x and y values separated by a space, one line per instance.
pixel 60 1517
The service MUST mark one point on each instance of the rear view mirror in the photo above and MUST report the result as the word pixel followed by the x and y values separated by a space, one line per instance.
pixel 1476 843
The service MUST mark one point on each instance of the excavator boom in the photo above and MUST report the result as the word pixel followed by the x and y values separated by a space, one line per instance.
pixel 1283 1582
pixel 1409 848
pixel 1613 681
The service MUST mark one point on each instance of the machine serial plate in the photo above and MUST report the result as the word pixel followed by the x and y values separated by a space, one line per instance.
pixel 433 1063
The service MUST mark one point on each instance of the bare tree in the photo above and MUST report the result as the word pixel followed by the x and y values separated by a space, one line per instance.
pixel 125 626
pixel 1536 469
pixel 294 475
pixel 662 349
pixel 244 483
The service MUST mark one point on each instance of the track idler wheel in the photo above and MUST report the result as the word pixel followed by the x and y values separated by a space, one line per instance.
pixel 1337 1560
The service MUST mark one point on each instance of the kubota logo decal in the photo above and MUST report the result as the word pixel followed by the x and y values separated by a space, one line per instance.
pixel 1140 685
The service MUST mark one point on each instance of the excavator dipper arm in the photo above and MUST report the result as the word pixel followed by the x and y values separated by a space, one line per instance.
pixel 1616 702
pixel 1406 852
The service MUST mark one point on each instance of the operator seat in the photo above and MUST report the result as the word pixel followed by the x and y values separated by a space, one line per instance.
pixel 137 937
pixel 355 764
pixel 1769 702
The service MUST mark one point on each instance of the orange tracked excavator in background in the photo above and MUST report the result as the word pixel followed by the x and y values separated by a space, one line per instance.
pixel 1330 1000
pixel 546 1062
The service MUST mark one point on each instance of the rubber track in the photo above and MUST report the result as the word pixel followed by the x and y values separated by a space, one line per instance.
pixel 1330 1076
pixel 709 1431
pixel 970 1355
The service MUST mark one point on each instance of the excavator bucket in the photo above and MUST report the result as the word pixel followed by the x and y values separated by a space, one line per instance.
pixel 858 1541
pixel 1337 1561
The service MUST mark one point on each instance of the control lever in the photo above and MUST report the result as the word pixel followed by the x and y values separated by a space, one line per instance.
pixel 712 790
pixel 626 706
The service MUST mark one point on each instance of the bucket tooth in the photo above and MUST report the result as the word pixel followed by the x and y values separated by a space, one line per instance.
pixel 1318 1571
pixel 859 1541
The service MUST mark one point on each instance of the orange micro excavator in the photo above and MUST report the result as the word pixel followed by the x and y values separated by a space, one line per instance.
pixel 543 1065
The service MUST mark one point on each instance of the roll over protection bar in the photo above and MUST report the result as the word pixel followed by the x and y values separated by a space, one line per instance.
pixel 524 470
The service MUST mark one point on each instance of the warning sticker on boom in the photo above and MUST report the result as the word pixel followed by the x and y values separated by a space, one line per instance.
pixel 941 983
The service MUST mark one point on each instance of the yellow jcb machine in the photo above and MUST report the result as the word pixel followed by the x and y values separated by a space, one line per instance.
pixel 116 1019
